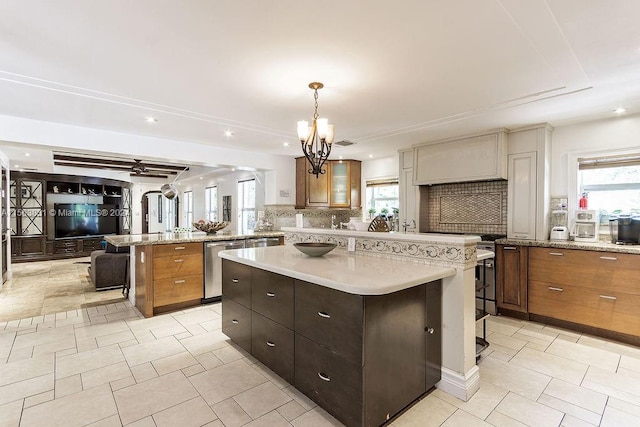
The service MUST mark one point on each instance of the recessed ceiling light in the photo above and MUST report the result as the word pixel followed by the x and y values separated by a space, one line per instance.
pixel 340 157
pixel 200 177
pixel 150 119
pixel 16 166
pixel 371 156
pixel 620 110
pixel 228 133
pixel 27 154
pixel 285 144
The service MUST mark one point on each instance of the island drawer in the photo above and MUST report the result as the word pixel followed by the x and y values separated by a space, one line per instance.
pixel 177 266
pixel 236 323
pixel 177 250
pixel 177 289
pixel 331 318
pixel 272 296
pixel 330 380
pixel 272 344
pixel 236 282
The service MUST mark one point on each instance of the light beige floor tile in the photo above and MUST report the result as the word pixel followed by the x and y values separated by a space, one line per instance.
pixel 193 317
pixel 461 418
pixel 501 353
pixel 195 329
pixel 622 385
pixel 174 362
pixel 262 399
pixel 105 375
pixel 272 419
pixel 216 423
pixel 229 354
pixel 291 410
pixel 129 343
pixel 212 325
pixel 226 381
pixel 145 422
pixel 497 324
pixel 77 409
pixel 500 420
pixel 203 343
pixel 10 414
pixel 152 350
pixel 88 360
pixel 551 365
pixel 230 413
pixel 39 398
pixel 6 344
pixel 571 409
pixel 115 338
pixel 183 335
pixel 615 418
pixel 173 329
pixel 112 421
pixel 24 369
pixel 630 363
pixel 520 380
pixel 430 411
pixel 155 322
pixel 571 421
pixel 270 375
pixel 624 406
pixel 68 385
pixel 194 412
pixel 481 404
pixel 20 354
pixel 209 360
pixel 193 370
pixel 143 372
pixel 577 395
pixel 604 344
pixel 506 341
pixel 529 412
pixel 602 359
pixel 86 344
pixel 122 383
pixel 299 397
pixel 160 393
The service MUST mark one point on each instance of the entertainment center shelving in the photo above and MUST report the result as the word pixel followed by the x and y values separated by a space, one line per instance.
pixel 32 197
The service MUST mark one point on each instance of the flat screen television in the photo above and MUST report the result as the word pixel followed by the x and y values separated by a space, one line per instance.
pixel 83 219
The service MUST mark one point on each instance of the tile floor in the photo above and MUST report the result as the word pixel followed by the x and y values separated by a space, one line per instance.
pixel 108 366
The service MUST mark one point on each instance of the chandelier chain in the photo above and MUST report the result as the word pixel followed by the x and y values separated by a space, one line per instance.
pixel 315 110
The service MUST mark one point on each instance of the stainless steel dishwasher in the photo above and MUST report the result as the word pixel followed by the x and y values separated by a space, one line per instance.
pixel 261 242
pixel 213 267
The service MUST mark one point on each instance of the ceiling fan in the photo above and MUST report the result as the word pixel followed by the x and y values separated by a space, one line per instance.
pixel 138 168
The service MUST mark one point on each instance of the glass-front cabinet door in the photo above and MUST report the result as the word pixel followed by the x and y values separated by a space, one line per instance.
pixel 340 189
pixel 27 207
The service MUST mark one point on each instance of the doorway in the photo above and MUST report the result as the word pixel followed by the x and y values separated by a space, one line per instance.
pixel 159 214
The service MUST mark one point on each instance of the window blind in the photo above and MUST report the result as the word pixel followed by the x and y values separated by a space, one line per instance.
pixel 608 161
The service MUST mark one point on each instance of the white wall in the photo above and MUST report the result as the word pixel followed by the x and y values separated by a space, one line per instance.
pixel 619 133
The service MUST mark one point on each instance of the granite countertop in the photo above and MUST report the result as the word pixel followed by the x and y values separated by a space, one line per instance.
pixel 340 270
pixel 567 244
pixel 463 239
pixel 195 236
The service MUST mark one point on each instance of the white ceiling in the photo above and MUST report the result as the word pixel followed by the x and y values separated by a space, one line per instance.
pixel 395 73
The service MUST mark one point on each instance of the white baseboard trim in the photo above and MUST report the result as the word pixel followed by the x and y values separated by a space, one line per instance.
pixel 460 386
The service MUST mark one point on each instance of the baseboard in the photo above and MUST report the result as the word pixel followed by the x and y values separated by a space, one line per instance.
pixel 460 386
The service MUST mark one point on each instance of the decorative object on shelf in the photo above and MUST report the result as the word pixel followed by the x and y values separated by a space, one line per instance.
pixel 56 189
pixel 316 139
pixel 379 224
pixel 70 191
pixel 84 190
pixel 210 227
pixel 315 249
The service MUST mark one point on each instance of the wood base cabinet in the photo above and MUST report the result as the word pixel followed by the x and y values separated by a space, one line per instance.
pixel 597 289
pixel 512 278
pixel 361 358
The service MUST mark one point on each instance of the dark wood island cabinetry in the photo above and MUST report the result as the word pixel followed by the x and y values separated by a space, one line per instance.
pixel 363 358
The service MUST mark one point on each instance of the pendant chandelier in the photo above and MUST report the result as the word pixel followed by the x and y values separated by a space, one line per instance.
pixel 316 139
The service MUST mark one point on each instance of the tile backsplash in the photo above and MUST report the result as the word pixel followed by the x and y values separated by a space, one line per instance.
pixel 285 216
pixel 468 207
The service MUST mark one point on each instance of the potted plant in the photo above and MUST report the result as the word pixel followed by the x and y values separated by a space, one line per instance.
pixel 372 212
pixel 383 212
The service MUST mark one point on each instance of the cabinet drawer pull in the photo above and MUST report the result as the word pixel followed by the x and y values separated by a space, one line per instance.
pixel 234 280
pixel 178 260
pixel 235 321
pixel 324 377
pixel 179 281
pixel 509 248
pixel 323 314
pixel 179 248
pixel 270 344
pixel 551 288
pixel 271 294
pixel 608 297
pixel 609 258
pixel 556 254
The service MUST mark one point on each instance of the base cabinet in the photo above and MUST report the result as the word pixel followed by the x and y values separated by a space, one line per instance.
pixel 361 358
pixel 512 277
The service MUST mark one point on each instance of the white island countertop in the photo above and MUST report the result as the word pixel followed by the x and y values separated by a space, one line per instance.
pixel 340 270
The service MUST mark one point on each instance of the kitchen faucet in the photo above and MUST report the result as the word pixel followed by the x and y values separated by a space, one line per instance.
pixel 333 225
pixel 406 224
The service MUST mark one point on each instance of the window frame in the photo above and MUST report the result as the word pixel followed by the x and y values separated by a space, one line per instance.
pixel 243 227
pixel 187 208
pixel 211 214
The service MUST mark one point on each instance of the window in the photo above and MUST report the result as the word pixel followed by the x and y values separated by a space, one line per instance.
pixel 170 209
pixel 188 208
pixel 612 183
pixel 246 205
pixel 382 196
pixel 211 203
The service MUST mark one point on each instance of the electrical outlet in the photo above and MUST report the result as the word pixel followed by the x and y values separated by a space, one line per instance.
pixel 351 244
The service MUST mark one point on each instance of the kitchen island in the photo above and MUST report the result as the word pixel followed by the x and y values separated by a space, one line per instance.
pixel 166 270
pixel 359 335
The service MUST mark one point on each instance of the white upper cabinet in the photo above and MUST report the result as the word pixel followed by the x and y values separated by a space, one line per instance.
pixel 474 158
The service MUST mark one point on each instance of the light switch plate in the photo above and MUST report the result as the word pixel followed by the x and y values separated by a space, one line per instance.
pixel 351 244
